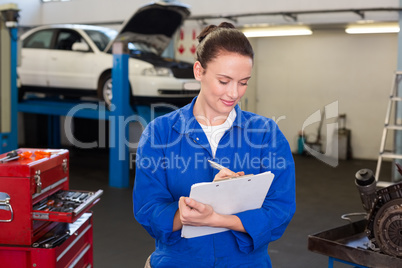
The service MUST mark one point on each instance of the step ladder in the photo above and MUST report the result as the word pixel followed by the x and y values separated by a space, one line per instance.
pixel 393 99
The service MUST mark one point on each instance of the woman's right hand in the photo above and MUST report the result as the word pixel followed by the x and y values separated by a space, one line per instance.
pixel 226 173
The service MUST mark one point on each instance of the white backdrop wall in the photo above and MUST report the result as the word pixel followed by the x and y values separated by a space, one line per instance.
pixel 293 76
pixel 297 76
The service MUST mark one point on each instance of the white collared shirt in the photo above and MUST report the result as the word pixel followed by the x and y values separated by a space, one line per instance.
pixel 215 133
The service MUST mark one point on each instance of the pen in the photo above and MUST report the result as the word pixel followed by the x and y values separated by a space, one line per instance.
pixel 215 165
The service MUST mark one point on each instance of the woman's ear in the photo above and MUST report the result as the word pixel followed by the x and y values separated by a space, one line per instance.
pixel 198 70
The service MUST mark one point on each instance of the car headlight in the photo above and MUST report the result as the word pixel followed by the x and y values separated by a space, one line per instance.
pixel 157 71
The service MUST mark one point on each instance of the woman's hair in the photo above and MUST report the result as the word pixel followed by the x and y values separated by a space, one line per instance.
pixel 223 38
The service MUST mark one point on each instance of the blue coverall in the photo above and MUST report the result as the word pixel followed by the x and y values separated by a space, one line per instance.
pixel 172 155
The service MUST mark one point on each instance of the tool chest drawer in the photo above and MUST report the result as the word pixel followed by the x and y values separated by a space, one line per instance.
pixel 66 245
pixel 65 205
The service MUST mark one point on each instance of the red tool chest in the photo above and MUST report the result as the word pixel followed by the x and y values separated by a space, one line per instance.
pixel 40 217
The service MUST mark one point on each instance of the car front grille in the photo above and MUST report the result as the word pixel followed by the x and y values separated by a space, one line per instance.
pixel 183 72
pixel 178 92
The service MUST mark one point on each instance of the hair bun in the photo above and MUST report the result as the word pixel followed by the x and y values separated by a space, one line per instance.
pixel 211 28
pixel 226 25
pixel 205 32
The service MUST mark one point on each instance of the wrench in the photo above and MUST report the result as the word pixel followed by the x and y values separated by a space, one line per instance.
pixel 75 195
pixel 57 240
pixel 38 244
pixel 80 198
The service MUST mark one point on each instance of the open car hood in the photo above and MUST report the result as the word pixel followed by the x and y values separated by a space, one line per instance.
pixel 153 24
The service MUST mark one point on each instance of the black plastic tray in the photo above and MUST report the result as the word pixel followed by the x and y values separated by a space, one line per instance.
pixel 349 243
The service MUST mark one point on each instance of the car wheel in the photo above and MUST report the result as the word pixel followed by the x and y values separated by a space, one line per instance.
pixel 105 89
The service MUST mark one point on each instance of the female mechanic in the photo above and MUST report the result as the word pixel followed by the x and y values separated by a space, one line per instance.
pixel 173 154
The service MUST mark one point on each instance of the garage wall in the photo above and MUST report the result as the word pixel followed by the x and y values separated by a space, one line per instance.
pixel 300 75
pixel 33 12
pixel 293 76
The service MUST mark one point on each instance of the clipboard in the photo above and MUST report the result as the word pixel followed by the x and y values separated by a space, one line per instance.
pixel 229 197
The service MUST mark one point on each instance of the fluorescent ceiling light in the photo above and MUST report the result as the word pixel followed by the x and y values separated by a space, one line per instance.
pixel 371 28
pixel 277 31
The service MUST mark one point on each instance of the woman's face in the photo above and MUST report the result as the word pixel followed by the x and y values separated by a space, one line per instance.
pixel 223 82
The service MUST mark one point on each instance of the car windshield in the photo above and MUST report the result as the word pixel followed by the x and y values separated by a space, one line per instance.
pixel 101 38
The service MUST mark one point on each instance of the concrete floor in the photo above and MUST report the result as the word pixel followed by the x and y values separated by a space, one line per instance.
pixel 324 193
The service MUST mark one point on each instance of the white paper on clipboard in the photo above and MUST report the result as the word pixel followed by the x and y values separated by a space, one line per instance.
pixel 229 197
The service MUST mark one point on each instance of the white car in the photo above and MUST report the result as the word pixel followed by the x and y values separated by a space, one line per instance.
pixel 76 60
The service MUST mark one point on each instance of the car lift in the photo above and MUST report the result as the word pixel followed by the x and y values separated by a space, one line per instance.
pixel 118 117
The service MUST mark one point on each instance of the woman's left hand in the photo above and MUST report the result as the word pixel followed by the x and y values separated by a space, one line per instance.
pixel 225 174
pixel 195 213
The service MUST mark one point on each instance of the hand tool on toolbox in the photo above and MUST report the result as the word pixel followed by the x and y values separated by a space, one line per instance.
pixel 68 206
pixel 52 241
pixel 25 155
pixel 57 240
pixel 40 203
pixel 39 154
pixel 80 198
pixel 59 205
pixel 64 195
pixel 52 236
pixel 76 195
pixel 50 205
pixel 62 201
pixel 40 243
pixel 14 155
pixel 10 156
